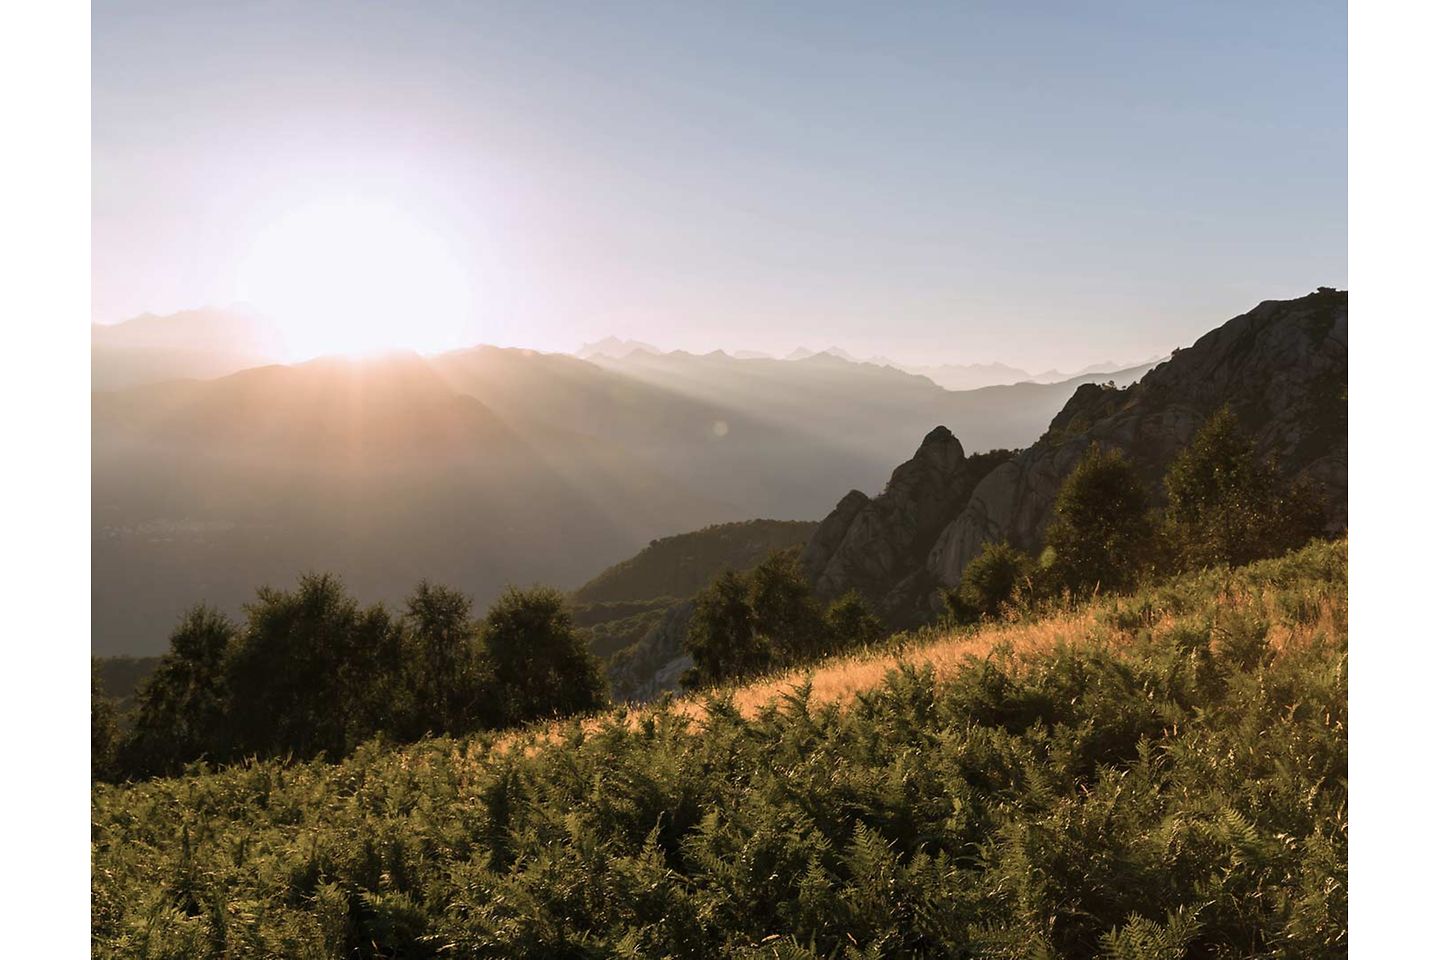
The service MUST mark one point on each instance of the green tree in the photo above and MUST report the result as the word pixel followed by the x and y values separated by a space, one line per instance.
pixel 1226 506
pixel 182 710
pixel 851 623
pixel 313 671
pixel 787 615
pixel 541 665
pixel 722 638
pixel 1100 535
pixel 990 580
pixel 104 729
pixel 449 684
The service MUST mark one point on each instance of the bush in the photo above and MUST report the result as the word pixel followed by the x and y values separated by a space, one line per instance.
pixel 1100 536
pixel 851 624
pixel 1225 506
pixel 989 581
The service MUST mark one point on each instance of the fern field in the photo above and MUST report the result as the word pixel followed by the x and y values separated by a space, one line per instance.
pixel 1171 785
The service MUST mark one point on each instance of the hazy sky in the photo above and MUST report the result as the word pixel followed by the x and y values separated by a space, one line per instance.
pixel 1046 184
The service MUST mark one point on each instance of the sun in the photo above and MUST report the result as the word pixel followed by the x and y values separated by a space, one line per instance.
pixel 357 276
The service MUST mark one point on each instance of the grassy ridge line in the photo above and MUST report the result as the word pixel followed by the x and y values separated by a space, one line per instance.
pixel 1111 623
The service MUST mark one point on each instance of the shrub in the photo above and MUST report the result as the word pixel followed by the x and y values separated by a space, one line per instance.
pixel 1225 506
pixel 851 624
pixel 1100 535
pixel 989 581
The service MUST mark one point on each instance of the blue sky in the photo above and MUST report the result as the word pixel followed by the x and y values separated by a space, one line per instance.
pixel 1042 184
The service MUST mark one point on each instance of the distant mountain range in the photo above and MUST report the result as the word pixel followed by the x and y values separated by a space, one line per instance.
pixel 476 467
pixel 195 343
pixel 951 376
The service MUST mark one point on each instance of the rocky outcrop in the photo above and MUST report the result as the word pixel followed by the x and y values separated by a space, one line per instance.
pixel 879 546
pixel 1282 368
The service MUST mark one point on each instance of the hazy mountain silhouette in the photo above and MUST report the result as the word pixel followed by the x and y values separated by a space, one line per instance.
pixel 971 376
pixel 204 343
pixel 482 466
pixel 613 347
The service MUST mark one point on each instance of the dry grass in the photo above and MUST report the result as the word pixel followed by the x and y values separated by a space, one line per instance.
pixel 837 680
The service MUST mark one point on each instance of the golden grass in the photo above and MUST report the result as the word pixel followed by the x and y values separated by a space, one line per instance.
pixel 838 679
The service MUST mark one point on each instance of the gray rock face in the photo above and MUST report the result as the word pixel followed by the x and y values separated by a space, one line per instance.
pixel 879 547
pixel 1282 368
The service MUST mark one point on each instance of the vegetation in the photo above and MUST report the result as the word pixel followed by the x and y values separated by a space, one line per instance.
pixel 990 581
pixel 1226 506
pixel 682 565
pixel 1164 778
pixel 1101 532
pixel 623 611
pixel 745 624
pixel 310 672
pixel 104 728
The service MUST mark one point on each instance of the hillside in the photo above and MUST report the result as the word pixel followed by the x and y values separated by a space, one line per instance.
pixel 632 611
pixel 1282 368
pixel 1157 775
pixel 679 566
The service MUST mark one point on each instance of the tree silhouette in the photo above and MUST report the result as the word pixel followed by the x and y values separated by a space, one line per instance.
pixel 541 665
pixel 1100 535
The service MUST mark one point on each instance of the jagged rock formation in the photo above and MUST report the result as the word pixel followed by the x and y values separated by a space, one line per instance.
pixel 879 546
pixel 1282 368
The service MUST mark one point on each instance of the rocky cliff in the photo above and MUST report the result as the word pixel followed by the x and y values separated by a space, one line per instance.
pixel 1282 368
pixel 879 546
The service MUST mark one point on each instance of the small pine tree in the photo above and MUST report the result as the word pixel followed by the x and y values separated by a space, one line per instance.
pixel 722 639
pixel 1226 506
pixel 542 667
pixel 1100 536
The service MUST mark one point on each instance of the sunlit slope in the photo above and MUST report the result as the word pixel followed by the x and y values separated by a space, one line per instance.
pixel 1163 771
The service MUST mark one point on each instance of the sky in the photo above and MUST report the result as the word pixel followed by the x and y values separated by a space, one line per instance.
pixel 1043 184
